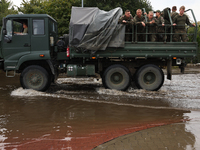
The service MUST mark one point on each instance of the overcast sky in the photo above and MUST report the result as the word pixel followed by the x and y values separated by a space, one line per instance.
pixel 193 4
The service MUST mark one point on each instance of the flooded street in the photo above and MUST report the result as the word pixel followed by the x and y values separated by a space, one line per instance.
pixel 79 113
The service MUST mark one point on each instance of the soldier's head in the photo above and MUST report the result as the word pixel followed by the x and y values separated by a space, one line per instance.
pixel 25 25
pixel 158 13
pixel 139 13
pixel 127 13
pixel 174 8
pixel 182 9
pixel 150 15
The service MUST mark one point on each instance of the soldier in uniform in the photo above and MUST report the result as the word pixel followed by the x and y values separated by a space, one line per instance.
pixel 160 22
pixel 179 22
pixel 127 19
pixel 167 23
pixel 25 30
pixel 139 20
pixel 173 13
pixel 151 27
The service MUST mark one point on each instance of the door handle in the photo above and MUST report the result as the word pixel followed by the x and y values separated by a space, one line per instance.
pixel 26 45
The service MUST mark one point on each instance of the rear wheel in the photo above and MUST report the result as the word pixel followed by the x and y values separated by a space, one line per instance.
pixel 36 78
pixel 149 77
pixel 116 77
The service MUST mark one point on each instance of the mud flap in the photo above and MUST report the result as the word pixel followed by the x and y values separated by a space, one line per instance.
pixel 182 68
pixel 169 69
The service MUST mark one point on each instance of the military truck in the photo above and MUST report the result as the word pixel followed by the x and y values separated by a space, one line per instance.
pixel 94 47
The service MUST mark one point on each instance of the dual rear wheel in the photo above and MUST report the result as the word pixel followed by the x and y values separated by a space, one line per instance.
pixel 149 77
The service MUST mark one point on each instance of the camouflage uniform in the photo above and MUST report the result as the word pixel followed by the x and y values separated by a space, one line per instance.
pixel 180 28
pixel 129 22
pixel 25 31
pixel 173 15
pixel 167 27
pixel 140 28
pixel 151 29
pixel 160 29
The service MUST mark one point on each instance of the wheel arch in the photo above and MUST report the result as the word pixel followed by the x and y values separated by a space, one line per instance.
pixel 43 63
pixel 113 64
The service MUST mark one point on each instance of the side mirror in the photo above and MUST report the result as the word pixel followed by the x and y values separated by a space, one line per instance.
pixel 7 39
pixel 4 20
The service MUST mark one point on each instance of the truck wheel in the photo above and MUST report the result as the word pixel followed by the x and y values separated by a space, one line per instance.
pixel 149 77
pixel 116 77
pixel 36 78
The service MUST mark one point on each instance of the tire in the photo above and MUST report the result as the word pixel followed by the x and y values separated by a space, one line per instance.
pixel 36 78
pixel 116 77
pixel 149 77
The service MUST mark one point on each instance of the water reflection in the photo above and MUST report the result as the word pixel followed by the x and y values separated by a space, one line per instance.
pixel 67 116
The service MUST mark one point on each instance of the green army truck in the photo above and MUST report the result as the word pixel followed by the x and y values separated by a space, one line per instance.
pixel 94 47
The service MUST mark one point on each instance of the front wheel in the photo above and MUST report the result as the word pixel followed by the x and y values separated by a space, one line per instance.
pixel 36 78
pixel 116 77
pixel 149 77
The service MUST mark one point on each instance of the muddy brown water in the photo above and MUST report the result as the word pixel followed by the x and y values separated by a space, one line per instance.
pixel 78 108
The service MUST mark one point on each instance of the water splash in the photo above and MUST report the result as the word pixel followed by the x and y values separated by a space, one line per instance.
pixel 181 92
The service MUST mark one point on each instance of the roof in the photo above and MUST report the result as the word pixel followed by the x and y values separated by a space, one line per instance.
pixel 30 16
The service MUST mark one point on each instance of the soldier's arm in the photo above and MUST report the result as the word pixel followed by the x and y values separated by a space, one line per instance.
pixel 188 22
pixel 130 21
pixel 162 20
pixel 174 21
pixel 121 20
pixel 143 22
pixel 135 20
pixel 153 22
pixel 157 21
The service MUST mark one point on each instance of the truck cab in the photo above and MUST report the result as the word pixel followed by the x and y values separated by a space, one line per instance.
pixel 28 40
pixel 18 47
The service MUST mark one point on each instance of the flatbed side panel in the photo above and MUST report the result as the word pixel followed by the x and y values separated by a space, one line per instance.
pixel 148 50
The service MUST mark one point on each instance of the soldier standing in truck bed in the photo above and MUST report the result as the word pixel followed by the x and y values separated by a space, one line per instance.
pixel 127 19
pixel 179 22
pixel 151 27
pixel 174 13
pixel 140 25
pixel 160 22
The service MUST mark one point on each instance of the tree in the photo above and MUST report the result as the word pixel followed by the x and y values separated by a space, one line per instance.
pixel 131 5
pixel 6 9
pixel 191 32
pixel 33 7
pixel 58 9
pixel 61 9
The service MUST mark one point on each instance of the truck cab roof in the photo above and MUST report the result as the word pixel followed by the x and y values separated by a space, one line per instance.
pixel 30 16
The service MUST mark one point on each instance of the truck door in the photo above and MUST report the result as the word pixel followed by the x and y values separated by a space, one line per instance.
pixel 39 39
pixel 18 45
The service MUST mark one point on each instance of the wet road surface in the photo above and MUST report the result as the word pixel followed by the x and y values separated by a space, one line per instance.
pixel 81 114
